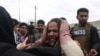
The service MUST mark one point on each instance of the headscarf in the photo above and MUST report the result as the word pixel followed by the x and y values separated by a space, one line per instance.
pixel 6 27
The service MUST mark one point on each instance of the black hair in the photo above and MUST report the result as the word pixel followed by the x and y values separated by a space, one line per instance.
pixel 15 22
pixel 40 21
pixel 63 18
pixel 82 10
pixel 58 21
pixel 23 24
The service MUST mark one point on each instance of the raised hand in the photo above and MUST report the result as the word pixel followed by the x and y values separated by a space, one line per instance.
pixel 93 52
pixel 23 45
pixel 64 26
pixel 69 46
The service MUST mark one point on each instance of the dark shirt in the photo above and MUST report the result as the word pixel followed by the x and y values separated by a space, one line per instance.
pixel 95 38
pixel 8 50
pixel 45 50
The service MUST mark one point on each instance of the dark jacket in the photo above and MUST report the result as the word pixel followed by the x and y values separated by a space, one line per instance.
pixel 9 50
pixel 45 51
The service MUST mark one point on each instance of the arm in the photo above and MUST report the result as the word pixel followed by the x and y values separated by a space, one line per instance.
pixel 95 41
pixel 68 45
pixel 95 38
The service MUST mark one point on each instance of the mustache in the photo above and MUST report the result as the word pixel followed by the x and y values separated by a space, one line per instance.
pixel 51 36
pixel 83 22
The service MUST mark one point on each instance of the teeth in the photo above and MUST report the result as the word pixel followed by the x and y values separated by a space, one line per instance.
pixel 52 39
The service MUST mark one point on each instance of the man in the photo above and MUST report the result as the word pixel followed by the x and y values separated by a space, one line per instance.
pixel 52 33
pixel 85 33
pixel 40 27
pixel 23 29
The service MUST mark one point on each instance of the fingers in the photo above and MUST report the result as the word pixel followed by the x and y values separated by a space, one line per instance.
pixel 43 37
pixel 77 42
pixel 25 41
pixel 64 26
pixel 93 52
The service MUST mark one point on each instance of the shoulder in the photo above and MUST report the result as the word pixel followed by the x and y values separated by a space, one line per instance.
pixel 93 28
pixel 74 26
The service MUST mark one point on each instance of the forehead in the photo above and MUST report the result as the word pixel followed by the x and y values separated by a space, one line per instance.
pixel 52 25
pixel 83 13
pixel 40 24
pixel 23 26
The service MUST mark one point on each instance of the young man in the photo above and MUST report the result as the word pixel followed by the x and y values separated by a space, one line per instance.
pixel 23 31
pixel 40 27
pixel 85 33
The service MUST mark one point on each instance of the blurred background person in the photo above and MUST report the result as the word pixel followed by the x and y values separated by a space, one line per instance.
pixel 15 29
pixel 40 27
pixel 23 32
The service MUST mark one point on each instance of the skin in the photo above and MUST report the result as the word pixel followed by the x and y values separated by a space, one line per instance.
pixel 82 17
pixel 52 32
pixel 23 30
pixel 40 26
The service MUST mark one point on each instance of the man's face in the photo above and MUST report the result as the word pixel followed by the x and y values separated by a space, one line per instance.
pixel 82 17
pixel 52 32
pixel 40 27
pixel 23 29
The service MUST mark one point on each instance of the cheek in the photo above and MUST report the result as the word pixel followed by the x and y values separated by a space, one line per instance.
pixel 56 34
pixel 53 34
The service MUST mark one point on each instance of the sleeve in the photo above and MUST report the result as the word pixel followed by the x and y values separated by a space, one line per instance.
pixel 45 51
pixel 8 50
pixel 95 38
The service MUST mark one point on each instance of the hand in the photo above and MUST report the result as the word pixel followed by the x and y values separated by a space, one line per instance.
pixel 64 26
pixel 77 42
pixel 43 37
pixel 23 45
pixel 93 52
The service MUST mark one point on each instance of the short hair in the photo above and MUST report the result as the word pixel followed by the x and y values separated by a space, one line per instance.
pixel 41 22
pixel 23 24
pixel 15 22
pixel 82 10
pixel 63 18
pixel 57 20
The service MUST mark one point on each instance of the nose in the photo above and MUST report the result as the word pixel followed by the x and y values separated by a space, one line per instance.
pixel 51 33
pixel 84 17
